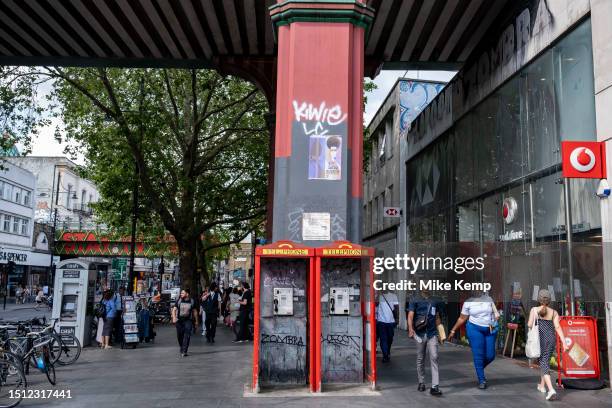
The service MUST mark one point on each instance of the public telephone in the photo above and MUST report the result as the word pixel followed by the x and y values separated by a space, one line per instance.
pixel 339 301
pixel 283 301
pixel 75 283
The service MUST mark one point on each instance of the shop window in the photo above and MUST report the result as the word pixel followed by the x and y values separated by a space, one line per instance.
pixel 468 222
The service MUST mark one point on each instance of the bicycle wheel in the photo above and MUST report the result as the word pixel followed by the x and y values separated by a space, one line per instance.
pixel 49 367
pixel 71 350
pixel 13 358
pixel 55 348
pixel 12 386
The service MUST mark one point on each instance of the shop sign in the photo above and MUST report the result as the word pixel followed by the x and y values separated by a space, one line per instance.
pixel 17 257
pixel 72 274
pixel 512 235
pixel 509 210
pixel 582 359
pixel 583 159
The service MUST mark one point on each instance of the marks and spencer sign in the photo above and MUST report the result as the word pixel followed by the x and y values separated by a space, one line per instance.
pixel 16 257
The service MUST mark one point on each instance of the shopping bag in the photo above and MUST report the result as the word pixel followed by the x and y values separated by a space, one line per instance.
pixel 532 348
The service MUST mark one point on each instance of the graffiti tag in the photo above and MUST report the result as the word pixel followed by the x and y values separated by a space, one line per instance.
pixel 282 339
pixel 323 114
pixel 343 340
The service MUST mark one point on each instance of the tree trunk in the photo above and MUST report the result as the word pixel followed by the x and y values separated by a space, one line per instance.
pixel 203 269
pixel 187 264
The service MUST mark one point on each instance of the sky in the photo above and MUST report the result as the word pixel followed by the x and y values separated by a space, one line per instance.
pixel 46 144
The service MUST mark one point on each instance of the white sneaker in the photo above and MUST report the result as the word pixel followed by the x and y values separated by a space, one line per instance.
pixel 551 396
pixel 542 389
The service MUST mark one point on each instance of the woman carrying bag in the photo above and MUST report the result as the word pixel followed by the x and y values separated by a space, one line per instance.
pixel 482 327
pixel 546 321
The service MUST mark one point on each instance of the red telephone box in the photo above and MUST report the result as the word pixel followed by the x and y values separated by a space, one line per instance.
pixel 344 315
pixel 283 329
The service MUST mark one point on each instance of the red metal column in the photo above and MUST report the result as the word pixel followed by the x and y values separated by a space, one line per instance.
pixel 256 306
pixel 316 321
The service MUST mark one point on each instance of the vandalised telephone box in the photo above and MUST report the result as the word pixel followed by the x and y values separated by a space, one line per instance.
pixel 345 347
pixel 282 328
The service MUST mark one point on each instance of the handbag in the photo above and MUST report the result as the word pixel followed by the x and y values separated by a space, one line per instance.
pixel 421 322
pixel 532 347
pixel 494 326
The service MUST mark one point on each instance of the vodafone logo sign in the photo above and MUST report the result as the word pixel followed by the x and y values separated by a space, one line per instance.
pixel 509 210
pixel 582 159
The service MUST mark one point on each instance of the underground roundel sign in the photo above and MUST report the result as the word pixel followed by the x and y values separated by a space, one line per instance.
pixel 509 209
pixel 583 159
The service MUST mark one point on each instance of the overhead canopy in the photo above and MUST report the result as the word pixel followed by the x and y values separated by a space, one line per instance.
pixel 435 34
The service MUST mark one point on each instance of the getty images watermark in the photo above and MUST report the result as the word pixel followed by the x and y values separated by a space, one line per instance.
pixel 423 264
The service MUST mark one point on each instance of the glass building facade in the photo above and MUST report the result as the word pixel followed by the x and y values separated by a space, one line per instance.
pixel 508 150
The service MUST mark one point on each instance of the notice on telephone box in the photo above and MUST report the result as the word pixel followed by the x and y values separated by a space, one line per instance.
pixel 582 358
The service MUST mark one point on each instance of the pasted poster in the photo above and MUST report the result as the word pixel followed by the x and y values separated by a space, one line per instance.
pixel 316 226
pixel 325 157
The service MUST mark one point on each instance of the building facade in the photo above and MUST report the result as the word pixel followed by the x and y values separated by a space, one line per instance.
pixel 484 164
pixel 385 173
pixel 59 186
pixel 17 226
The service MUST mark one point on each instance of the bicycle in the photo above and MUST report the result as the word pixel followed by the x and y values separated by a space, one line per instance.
pixel 12 383
pixel 39 354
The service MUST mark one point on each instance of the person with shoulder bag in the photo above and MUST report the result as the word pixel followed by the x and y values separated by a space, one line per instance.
pixel 423 320
pixel 543 324
pixel 482 326
pixel 386 320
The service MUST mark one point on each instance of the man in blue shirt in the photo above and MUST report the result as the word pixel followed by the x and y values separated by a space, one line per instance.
pixel 423 314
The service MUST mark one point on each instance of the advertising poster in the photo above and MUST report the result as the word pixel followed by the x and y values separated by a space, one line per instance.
pixel 325 158
pixel 581 337
pixel 316 226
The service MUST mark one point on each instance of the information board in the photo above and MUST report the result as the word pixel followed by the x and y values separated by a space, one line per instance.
pixel 582 358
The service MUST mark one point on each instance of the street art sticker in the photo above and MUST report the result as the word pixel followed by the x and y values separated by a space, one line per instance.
pixel 414 97
pixel 325 158
pixel 325 149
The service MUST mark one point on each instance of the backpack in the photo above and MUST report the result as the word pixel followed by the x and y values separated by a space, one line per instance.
pixel 100 311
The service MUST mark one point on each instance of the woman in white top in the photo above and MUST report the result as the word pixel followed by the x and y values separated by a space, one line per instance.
pixel 547 321
pixel 481 316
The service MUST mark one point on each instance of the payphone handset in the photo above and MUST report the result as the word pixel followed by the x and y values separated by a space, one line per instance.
pixel 339 301
pixel 283 301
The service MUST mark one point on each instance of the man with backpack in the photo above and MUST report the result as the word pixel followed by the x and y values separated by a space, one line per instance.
pixel 184 314
pixel 211 305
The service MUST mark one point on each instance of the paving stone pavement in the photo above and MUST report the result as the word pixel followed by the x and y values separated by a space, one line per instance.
pixel 153 375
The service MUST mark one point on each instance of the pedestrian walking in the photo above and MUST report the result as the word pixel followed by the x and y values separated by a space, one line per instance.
pixel 40 297
pixel 184 314
pixel 547 321
pixel 386 304
pixel 202 311
pixel 423 319
pixel 481 316
pixel 109 318
pixel 211 305
pixel 234 306
pixel 246 303
pixel 118 324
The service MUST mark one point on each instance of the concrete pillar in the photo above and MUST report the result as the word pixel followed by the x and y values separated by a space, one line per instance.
pixel 319 122
pixel 601 15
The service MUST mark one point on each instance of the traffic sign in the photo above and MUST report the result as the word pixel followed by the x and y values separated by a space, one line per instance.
pixel 392 212
pixel 583 159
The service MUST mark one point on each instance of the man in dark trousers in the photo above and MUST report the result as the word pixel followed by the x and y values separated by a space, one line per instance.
pixel 184 314
pixel 211 303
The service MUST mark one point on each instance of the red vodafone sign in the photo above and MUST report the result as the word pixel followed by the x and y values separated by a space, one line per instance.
pixel 582 358
pixel 584 160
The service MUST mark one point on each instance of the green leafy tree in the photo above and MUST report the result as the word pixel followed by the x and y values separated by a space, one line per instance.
pixel 193 142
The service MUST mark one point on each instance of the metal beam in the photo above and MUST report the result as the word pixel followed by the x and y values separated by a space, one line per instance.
pixel 465 19
pixel 417 29
pixel 232 24
pixel 87 16
pixel 76 25
pixel 483 26
pixel 32 25
pixel 178 29
pixel 379 23
pixel 251 25
pixel 434 37
pixel 110 17
pixel 196 26
pixel 213 24
pixel 398 27
pixel 127 9
pixel 15 44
